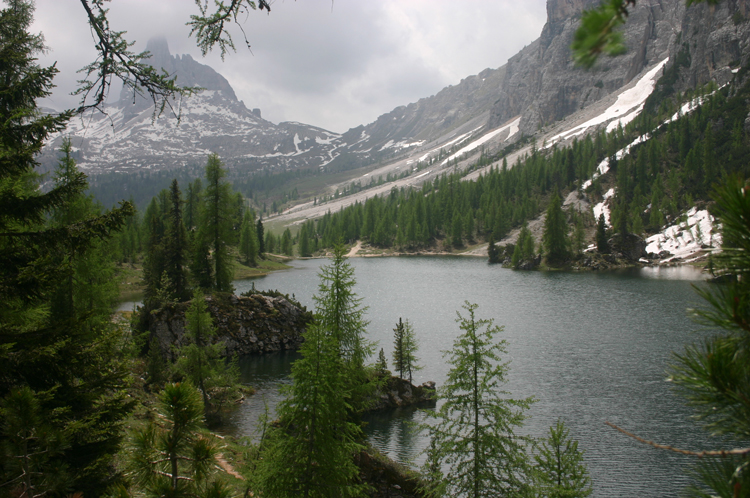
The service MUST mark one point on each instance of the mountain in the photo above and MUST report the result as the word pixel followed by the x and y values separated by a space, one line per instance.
pixel 542 85
pixel 538 90
pixel 131 138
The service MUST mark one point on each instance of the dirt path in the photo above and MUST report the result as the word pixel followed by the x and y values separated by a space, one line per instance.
pixel 353 252
pixel 227 466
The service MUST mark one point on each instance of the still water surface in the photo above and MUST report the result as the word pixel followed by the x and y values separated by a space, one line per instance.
pixel 590 347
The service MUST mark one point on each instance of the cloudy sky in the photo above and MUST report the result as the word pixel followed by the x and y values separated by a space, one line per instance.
pixel 329 63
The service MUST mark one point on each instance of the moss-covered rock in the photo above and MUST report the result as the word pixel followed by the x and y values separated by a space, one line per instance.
pixel 251 324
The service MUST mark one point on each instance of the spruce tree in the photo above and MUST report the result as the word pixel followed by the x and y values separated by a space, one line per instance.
pixel 475 431
pixel 215 231
pixel 71 364
pixel 555 235
pixel 248 241
pixel 176 246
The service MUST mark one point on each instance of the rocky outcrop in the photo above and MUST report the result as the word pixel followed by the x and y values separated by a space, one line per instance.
pixel 246 324
pixel 629 247
pixel 396 392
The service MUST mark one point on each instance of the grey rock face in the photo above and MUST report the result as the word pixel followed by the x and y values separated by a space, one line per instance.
pixel 246 325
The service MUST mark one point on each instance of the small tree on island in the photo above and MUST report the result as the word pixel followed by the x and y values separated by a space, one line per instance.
pixel 475 434
pixel 404 350
pixel 201 360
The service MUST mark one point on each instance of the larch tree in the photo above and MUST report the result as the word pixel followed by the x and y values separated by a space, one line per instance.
pixel 310 453
pixel 560 471
pixel 475 434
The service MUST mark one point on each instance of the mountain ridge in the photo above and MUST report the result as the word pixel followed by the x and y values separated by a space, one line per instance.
pixel 540 84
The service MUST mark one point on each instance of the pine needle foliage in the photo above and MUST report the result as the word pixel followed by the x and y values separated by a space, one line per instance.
pixel 714 375
pixel 171 458
pixel 475 434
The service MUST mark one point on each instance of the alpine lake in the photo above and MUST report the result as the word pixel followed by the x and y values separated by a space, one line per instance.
pixel 590 347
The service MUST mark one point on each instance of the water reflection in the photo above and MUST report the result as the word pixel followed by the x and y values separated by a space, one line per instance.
pixel 394 433
pixel 266 374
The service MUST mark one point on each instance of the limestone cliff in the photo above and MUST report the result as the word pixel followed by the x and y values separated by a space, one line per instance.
pixel 246 324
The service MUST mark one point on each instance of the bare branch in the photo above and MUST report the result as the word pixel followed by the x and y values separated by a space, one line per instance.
pixel 699 454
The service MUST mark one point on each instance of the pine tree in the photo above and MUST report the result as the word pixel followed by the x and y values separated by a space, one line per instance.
pixel 475 434
pixel 560 471
pixel 713 375
pixel 172 458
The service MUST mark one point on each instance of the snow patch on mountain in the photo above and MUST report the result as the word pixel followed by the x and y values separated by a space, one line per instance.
pixel 627 107
pixel 695 233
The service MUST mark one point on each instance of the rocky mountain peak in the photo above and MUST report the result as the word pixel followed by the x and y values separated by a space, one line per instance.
pixel 189 72
pixel 558 10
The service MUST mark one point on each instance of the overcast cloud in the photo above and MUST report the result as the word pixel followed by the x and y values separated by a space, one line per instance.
pixel 330 64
